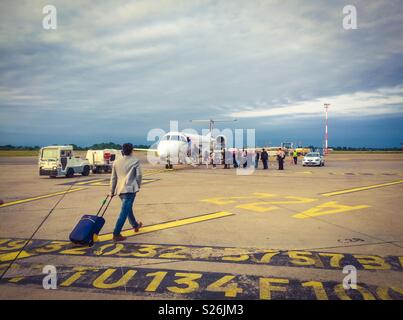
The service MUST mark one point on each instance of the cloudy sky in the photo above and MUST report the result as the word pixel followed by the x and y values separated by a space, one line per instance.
pixel 113 70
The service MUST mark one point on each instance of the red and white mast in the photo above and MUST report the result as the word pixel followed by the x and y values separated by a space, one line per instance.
pixel 326 132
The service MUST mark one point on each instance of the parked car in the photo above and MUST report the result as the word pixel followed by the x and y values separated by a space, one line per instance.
pixel 313 159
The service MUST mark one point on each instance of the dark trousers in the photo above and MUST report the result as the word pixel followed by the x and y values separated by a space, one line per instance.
pixel 265 164
pixel 295 160
pixel 234 162
pixel 281 164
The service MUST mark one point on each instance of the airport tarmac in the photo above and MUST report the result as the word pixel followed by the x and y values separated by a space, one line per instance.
pixel 212 234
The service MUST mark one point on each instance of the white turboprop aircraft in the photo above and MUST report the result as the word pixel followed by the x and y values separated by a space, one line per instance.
pixel 175 147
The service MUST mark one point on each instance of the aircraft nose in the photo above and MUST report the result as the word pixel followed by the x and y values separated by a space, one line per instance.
pixel 162 150
pixel 168 149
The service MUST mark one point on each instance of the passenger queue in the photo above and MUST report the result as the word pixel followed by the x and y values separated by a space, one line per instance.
pixel 243 158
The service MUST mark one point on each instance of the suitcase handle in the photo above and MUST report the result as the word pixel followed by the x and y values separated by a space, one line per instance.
pixel 103 203
pixel 106 207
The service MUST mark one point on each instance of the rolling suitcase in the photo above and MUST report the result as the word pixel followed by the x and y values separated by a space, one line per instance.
pixel 87 229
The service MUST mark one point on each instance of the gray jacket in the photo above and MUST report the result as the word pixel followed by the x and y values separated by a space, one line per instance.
pixel 126 175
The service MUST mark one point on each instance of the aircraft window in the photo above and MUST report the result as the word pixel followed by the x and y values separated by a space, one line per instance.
pixel 165 137
pixel 183 139
pixel 176 138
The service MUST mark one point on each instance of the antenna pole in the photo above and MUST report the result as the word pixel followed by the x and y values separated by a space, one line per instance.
pixel 212 122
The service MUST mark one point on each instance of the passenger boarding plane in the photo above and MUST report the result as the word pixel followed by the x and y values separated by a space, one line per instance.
pixel 176 147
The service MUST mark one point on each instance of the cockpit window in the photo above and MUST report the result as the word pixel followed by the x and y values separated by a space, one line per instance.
pixel 174 138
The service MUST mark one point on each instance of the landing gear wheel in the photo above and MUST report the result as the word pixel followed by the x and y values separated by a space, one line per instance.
pixel 86 171
pixel 70 173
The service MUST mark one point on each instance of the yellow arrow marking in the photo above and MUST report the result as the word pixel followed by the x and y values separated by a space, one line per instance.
pixel 323 209
pixel 167 225
pixel 335 193
pixel 39 197
pixel 263 205
pixel 228 200
pixel 257 206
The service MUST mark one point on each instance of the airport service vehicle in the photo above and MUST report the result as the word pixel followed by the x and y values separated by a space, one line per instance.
pixel 59 161
pixel 102 160
pixel 302 151
pixel 272 151
pixel 313 159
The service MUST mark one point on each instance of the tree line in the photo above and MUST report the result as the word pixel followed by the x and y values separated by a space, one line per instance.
pixel 112 145
pixel 365 149
pixel 97 146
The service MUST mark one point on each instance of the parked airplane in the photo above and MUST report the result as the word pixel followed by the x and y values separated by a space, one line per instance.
pixel 178 147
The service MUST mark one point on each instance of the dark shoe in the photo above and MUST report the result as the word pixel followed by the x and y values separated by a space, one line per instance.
pixel 139 225
pixel 119 238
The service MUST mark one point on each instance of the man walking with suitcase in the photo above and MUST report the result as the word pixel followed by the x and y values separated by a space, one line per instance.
pixel 126 182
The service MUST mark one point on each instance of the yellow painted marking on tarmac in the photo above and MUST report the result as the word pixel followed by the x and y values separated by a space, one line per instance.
pixel 335 193
pixel 40 197
pixel 327 208
pixel 168 225
pixel 89 181
pixel 229 200
pixel 257 207
pixel 105 184
pixel 12 255
pixel 266 206
pixel 151 172
pixel 291 200
pixel 99 184
pixel 226 200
